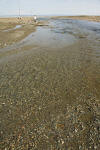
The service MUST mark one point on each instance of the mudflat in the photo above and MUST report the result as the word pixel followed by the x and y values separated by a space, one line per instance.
pixel 50 86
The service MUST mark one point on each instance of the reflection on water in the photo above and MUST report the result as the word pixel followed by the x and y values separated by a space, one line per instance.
pixel 46 38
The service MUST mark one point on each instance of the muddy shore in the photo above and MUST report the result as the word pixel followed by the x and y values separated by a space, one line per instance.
pixel 50 86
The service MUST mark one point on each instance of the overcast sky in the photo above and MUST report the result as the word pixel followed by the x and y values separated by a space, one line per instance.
pixel 49 7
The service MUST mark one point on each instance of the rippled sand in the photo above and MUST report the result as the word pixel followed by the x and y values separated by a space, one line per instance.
pixel 50 89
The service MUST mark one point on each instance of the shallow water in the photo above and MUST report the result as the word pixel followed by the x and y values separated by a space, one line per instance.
pixel 60 33
pixel 46 38
pixel 50 94
pixel 78 28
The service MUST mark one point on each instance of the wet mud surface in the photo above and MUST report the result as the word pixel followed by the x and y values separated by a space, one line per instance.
pixel 50 89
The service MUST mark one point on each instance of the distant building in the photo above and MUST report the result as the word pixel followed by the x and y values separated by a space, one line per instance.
pixel 35 18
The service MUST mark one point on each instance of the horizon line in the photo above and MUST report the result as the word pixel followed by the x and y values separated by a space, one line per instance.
pixel 48 15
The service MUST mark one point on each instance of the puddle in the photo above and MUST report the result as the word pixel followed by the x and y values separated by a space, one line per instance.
pixel 17 27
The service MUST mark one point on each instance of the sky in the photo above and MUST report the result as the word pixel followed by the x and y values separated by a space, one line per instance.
pixel 50 7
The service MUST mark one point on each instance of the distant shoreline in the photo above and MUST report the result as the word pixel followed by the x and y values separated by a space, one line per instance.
pixel 78 17
pixel 88 18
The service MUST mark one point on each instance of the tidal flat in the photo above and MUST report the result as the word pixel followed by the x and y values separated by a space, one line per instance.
pixel 50 87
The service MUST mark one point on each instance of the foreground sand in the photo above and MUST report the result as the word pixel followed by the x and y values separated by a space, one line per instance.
pixel 50 96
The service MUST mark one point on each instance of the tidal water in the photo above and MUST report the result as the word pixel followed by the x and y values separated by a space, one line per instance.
pixel 50 88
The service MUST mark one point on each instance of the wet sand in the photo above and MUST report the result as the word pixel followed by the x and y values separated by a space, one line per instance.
pixel 50 88
pixel 13 30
